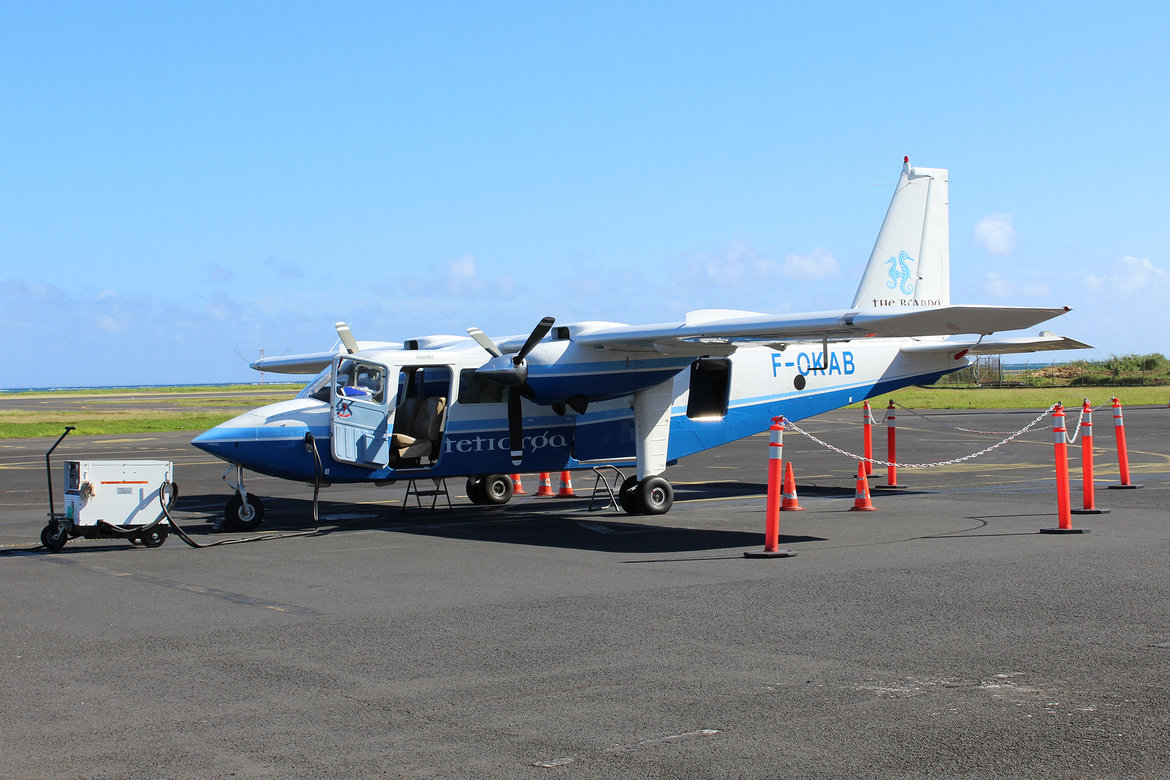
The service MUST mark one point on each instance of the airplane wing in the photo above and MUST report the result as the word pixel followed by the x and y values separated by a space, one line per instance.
pixel 296 364
pixel 314 362
pixel 721 335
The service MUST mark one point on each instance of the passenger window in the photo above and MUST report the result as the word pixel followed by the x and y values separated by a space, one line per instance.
pixel 474 389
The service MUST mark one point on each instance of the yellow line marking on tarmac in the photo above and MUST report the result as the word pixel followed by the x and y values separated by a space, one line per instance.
pixel 202 590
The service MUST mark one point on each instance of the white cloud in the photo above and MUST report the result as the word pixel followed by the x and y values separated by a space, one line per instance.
pixel 741 264
pixel 814 266
pixel 999 287
pixel 218 273
pixel 996 234
pixel 461 279
pixel 1131 274
pixel 284 269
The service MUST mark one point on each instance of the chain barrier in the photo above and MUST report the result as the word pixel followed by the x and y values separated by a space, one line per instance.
pixel 932 421
pixel 953 461
pixel 1071 439
pixel 1077 432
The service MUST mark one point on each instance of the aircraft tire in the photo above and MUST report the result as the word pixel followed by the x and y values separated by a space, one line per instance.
pixel 474 490
pixel 238 516
pixel 628 496
pixel 497 489
pixel 655 496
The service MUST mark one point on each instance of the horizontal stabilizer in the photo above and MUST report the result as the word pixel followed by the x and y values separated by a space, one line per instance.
pixel 1045 342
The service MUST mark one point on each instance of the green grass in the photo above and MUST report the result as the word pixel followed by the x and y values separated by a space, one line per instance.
pixel 98 426
pixel 177 390
pixel 1020 398
pixel 109 418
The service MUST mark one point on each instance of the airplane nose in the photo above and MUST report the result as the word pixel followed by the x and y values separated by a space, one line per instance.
pixel 224 440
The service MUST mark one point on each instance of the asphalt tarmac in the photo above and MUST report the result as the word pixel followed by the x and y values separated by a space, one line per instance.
pixel 940 636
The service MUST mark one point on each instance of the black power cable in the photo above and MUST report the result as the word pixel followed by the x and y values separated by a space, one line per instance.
pixel 311 446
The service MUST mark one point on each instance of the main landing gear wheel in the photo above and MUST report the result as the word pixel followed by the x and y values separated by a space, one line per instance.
pixel 497 489
pixel 651 496
pixel 241 515
pixel 627 498
pixel 655 496
pixel 490 489
pixel 475 490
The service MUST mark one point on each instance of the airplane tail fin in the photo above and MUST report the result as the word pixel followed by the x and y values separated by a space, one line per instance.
pixel 910 265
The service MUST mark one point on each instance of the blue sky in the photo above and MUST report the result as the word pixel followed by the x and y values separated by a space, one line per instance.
pixel 187 184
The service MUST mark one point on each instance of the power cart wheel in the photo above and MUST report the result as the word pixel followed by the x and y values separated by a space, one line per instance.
pixel 154 537
pixel 54 536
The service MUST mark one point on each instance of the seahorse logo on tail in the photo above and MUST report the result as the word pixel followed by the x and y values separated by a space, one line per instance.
pixel 900 273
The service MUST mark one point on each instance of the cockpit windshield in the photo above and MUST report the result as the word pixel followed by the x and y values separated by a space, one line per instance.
pixel 318 389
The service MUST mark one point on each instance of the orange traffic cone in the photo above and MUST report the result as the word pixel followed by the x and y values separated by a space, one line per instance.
pixel 566 489
pixel 861 502
pixel 545 488
pixel 790 502
pixel 517 487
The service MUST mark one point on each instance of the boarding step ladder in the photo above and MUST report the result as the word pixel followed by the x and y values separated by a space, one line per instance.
pixel 440 489
pixel 609 491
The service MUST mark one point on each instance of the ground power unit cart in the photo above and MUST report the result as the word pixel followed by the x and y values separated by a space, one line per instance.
pixel 110 499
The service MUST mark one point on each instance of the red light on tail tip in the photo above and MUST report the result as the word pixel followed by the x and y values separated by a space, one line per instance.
pixel 906 159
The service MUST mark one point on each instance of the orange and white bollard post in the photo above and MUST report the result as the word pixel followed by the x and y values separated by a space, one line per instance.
pixel 891 451
pixel 867 424
pixel 775 488
pixel 1122 451
pixel 1087 490
pixel 1063 497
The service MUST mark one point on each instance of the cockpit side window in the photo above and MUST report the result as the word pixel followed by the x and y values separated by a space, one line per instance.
pixel 356 379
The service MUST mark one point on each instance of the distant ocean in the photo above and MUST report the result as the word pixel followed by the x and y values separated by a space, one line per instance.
pixel 63 388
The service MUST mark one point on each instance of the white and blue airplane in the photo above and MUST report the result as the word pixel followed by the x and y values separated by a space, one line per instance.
pixel 587 393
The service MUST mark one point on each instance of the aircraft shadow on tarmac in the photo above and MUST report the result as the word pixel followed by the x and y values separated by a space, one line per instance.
pixel 562 524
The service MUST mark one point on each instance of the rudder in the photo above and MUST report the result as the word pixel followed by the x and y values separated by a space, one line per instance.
pixel 910 265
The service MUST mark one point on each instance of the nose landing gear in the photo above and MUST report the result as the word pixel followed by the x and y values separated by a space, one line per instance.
pixel 242 511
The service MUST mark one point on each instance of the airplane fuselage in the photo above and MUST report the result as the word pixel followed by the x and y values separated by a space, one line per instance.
pixel 713 401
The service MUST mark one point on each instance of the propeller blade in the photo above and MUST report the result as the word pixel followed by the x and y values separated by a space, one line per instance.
pixel 539 332
pixel 515 425
pixel 346 336
pixel 482 339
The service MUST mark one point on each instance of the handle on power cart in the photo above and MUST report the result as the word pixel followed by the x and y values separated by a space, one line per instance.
pixel 49 469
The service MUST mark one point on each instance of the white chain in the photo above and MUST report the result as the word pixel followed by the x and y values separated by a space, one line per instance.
pixel 952 427
pixel 972 456
pixel 1072 439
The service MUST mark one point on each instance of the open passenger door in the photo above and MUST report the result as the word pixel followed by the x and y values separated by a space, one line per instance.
pixel 359 422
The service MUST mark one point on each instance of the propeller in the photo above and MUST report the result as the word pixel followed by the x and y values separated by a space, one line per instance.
pixel 511 371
